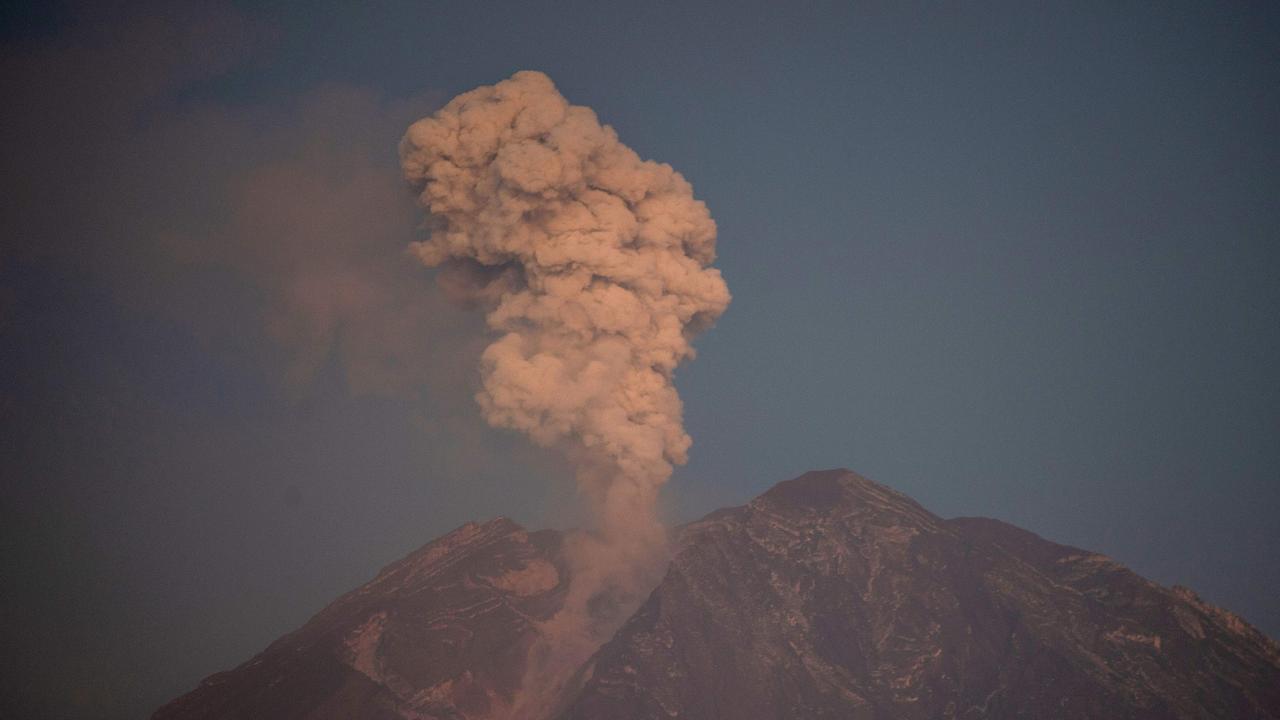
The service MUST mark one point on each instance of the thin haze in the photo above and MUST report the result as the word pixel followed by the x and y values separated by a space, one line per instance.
pixel 1015 260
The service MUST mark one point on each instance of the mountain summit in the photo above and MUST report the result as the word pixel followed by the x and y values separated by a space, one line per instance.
pixel 829 596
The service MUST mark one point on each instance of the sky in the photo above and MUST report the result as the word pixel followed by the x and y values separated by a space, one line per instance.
pixel 1018 260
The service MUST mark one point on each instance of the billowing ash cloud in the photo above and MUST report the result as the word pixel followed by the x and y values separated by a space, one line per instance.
pixel 594 269
pixel 593 265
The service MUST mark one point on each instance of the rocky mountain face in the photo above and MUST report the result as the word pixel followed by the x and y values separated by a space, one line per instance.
pixel 443 633
pixel 833 597
pixel 827 597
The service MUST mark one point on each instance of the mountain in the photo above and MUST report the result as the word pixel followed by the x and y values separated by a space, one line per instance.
pixel 443 633
pixel 833 597
pixel 829 596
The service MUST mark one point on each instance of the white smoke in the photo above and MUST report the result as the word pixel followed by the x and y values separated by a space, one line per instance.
pixel 593 267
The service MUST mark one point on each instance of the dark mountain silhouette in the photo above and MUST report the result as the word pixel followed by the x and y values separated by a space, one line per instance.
pixel 829 596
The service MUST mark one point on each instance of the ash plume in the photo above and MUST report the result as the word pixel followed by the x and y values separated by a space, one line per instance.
pixel 593 268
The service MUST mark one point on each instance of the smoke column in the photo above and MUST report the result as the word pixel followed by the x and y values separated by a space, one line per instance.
pixel 593 268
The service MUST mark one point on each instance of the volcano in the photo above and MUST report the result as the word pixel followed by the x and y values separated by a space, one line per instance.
pixel 829 596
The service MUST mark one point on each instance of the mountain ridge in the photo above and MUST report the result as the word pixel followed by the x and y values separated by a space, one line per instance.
pixel 828 595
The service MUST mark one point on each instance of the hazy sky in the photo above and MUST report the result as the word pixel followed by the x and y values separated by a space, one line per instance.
pixel 1012 259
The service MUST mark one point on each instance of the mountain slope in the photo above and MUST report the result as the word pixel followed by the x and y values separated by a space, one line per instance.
pixel 442 633
pixel 832 597
pixel 829 596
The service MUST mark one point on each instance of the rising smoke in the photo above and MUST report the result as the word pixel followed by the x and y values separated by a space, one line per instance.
pixel 593 268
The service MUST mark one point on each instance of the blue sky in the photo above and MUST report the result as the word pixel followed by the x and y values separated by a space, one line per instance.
pixel 1017 260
